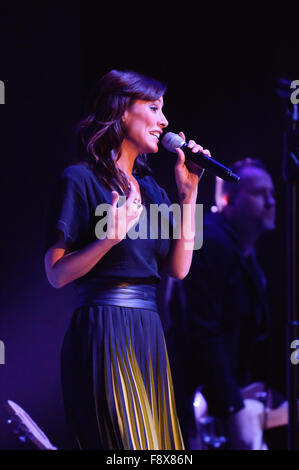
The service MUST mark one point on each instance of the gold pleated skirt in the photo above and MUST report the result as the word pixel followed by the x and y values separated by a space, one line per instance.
pixel 116 380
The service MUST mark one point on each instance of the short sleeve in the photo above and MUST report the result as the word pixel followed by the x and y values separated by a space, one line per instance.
pixel 68 211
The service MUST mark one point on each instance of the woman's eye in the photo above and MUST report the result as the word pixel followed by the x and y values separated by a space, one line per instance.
pixel 154 108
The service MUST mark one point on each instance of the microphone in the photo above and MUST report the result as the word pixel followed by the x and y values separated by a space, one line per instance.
pixel 171 141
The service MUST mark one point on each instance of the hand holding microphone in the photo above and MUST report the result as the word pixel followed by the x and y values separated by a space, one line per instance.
pixel 187 173
pixel 200 156
pixel 193 148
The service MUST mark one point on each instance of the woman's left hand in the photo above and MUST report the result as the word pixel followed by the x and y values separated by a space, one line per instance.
pixel 187 178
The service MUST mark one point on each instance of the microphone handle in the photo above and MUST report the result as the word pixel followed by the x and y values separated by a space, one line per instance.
pixel 209 164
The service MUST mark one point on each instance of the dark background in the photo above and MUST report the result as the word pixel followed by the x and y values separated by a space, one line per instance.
pixel 221 65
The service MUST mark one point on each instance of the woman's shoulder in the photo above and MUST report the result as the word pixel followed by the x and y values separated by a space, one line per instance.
pixel 78 171
pixel 84 180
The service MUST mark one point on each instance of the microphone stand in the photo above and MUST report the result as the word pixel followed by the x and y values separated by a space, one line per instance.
pixel 291 176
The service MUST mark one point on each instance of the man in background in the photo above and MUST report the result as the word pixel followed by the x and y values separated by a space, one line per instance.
pixel 221 336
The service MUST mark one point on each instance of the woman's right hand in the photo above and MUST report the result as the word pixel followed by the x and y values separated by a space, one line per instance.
pixel 122 219
pixel 63 267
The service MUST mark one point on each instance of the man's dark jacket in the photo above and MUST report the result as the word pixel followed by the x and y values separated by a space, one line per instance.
pixel 225 320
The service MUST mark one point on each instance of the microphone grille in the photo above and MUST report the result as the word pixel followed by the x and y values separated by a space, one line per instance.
pixel 171 141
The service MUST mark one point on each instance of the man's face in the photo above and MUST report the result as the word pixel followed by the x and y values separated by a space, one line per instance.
pixel 254 204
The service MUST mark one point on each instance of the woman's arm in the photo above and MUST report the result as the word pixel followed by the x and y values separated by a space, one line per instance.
pixel 63 267
pixel 180 257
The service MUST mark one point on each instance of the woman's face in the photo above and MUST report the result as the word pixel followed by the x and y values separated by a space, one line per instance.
pixel 144 122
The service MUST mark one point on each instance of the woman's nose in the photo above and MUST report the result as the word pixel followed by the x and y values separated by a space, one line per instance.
pixel 163 121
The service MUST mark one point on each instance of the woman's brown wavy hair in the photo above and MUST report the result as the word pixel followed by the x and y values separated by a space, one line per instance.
pixel 101 131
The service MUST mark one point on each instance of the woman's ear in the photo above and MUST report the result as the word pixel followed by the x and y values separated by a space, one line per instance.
pixel 124 117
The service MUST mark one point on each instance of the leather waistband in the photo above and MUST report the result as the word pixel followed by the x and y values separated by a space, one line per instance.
pixel 138 296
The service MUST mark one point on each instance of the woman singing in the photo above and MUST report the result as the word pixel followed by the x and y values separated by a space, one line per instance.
pixel 116 379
